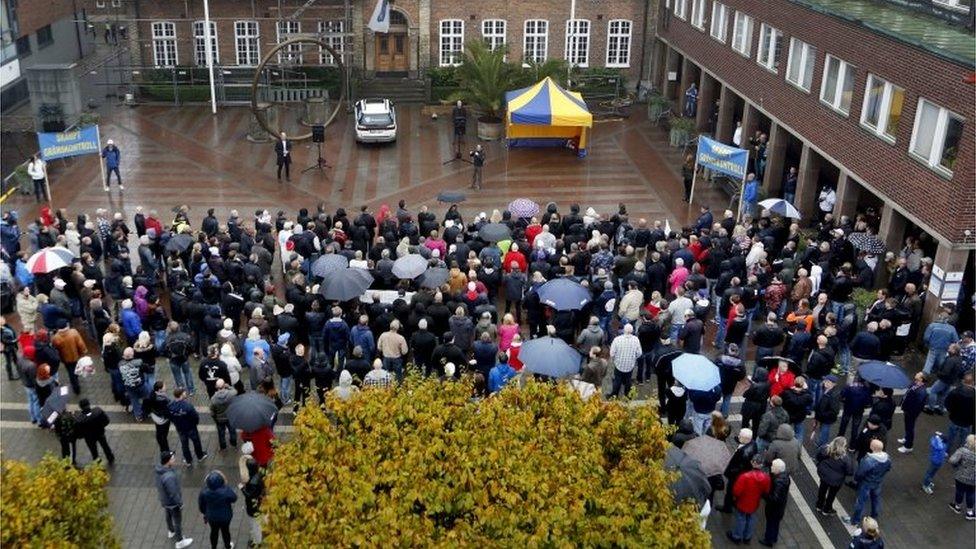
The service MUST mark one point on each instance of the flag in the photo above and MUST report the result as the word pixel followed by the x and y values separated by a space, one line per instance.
pixel 380 20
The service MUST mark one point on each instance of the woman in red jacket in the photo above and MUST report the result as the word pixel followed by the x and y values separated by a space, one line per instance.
pixel 514 256
pixel 780 379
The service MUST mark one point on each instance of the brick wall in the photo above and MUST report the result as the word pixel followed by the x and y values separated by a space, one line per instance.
pixel 947 205
pixel 34 14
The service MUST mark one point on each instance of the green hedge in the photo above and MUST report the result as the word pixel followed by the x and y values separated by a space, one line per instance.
pixel 162 92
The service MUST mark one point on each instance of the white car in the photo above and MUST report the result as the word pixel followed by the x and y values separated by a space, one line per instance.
pixel 375 121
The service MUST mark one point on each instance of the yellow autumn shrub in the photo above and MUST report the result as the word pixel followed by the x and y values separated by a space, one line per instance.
pixel 423 465
pixel 54 505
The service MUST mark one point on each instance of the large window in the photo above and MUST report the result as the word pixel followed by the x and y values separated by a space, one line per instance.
pixel 493 31
pixel 698 14
pixel 536 40
pixel 246 43
pixel 936 135
pixel 292 55
pixel 720 22
pixel 681 8
pixel 200 42
pixel 578 42
pixel 742 34
pixel 164 44
pixel 837 86
pixel 452 42
pixel 45 37
pixel 799 68
pixel 883 103
pixel 770 40
pixel 332 35
pixel 618 43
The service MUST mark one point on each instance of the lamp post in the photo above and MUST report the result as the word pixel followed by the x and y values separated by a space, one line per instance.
pixel 209 49
pixel 570 46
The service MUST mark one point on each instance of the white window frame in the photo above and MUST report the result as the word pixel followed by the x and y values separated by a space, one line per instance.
pixel 698 14
pixel 934 159
pixel 884 109
pixel 492 36
pixel 451 44
pixel 843 69
pixel 807 62
pixel 284 30
pixel 956 5
pixel 681 9
pixel 618 43
pixel 116 3
pixel 247 44
pixel 577 53
pixel 744 37
pixel 337 42
pixel 539 40
pixel 768 55
pixel 200 43
pixel 164 44
pixel 100 4
pixel 719 28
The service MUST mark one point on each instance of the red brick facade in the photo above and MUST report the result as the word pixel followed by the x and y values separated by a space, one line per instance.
pixel 947 205
pixel 34 14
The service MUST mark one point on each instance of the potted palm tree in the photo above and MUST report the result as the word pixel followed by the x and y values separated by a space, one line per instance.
pixel 483 78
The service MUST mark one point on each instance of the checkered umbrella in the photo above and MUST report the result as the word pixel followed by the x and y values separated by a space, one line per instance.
pixel 867 242
pixel 523 207
pixel 50 259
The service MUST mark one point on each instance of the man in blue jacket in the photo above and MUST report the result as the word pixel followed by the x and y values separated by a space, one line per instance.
pixel 171 498
pixel 500 374
pixel 870 472
pixel 335 335
pixel 185 418
pixel 912 405
pixel 112 156
pixel 750 195
pixel 938 336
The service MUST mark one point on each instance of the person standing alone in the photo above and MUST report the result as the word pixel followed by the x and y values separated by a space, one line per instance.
pixel 478 161
pixel 37 170
pixel 283 152
pixel 113 157
pixel 171 498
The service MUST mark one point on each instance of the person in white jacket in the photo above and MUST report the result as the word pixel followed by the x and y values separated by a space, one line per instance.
pixel 234 367
pixel 37 170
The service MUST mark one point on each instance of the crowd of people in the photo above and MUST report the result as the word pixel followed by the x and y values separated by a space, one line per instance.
pixel 234 306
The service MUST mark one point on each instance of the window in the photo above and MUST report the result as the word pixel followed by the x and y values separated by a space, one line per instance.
pixel 452 42
pixel 769 45
pixel 959 5
pixel 837 86
pixel 116 3
pixel 493 31
pixel 742 34
pixel 720 22
pixel 799 68
pixel 883 103
pixel 698 14
pixel 100 4
pixel 23 46
pixel 536 44
pixel 333 28
pixel 681 9
pixel 292 54
pixel 164 44
pixel 246 44
pixel 618 43
pixel 200 42
pixel 936 135
pixel 578 42
pixel 44 37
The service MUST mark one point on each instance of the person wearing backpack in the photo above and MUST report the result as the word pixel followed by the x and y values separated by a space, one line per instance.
pixel 66 428
pixel 134 381
pixel 91 426
pixel 177 346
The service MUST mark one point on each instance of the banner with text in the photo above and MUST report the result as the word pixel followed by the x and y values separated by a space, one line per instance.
pixel 722 158
pixel 71 143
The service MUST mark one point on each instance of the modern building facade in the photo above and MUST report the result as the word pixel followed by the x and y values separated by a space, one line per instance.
pixel 870 98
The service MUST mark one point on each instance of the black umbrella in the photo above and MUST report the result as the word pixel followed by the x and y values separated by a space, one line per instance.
pixel 329 263
pixel 451 197
pixel 494 232
pixel 770 363
pixel 434 277
pixel 179 243
pixel 346 284
pixel 55 404
pixel 867 242
pixel 691 482
pixel 251 411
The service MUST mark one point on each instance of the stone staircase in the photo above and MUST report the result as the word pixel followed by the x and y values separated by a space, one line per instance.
pixel 396 89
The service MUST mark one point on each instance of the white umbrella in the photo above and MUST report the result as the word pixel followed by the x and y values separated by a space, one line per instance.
pixel 50 259
pixel 780 207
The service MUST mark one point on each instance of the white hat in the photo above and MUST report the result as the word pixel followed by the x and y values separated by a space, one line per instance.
pixel 449 369
pixel 59 284
pixel 110 142
pixel 247 448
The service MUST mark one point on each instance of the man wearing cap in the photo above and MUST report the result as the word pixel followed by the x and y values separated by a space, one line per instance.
pixel 874 430
pixel 112 156
pixel 171 498
pixel 826 410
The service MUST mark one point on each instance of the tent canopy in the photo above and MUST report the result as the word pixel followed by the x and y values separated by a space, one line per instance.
pixel 545 114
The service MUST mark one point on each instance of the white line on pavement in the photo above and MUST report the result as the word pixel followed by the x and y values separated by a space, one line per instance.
pixel 812 470
pixel 133 427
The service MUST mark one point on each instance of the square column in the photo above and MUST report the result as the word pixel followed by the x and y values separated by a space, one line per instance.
pixel 892 228
pixel 952 262
pixel 775 158
pixel 687 77
pixel 806 184
pixel 726 111
pixel 749 120
pixel 847 194
pixel 706 101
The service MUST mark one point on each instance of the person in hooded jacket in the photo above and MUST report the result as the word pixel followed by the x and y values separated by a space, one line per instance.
pixel 685 432
pixel 345 389
pixel 755 399
pixel 252 488
pixel 785 446
pixel 171 497
pixel 868 536
pixel 770 422
pixel 216 503
pixel 776 499
pixel 732 370
pixel 870 473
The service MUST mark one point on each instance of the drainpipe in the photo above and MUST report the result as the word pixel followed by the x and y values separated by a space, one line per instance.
pixel 74 13
pixel 644 44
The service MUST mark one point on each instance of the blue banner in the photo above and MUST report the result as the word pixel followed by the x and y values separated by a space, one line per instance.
pixel 722 158
pixel 70 143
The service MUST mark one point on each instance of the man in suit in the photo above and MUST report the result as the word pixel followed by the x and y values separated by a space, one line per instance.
pixel 283 151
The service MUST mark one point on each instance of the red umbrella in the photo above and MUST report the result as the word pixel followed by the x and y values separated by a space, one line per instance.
pixel 50 259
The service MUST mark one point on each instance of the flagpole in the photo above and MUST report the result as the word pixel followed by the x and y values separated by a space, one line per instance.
pixel 694 178
pixel 569 41
pixel 210 54
pixel 47 186
pixel 101 164
pixel 742 192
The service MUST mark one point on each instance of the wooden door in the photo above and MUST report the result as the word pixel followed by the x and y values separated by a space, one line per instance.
pixel 391 52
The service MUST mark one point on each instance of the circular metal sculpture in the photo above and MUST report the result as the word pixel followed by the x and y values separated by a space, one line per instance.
pixel 258 112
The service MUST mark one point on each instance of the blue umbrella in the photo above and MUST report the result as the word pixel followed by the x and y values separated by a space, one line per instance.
pixel 884 374
pixel 564 295
pixel 696 372
pixel 329 263
pixel 550 357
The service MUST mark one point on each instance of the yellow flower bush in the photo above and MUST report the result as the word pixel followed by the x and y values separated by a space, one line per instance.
pixel 54 505
pixel 423 465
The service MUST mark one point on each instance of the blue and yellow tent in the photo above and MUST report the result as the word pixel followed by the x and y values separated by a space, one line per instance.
pixel 545 115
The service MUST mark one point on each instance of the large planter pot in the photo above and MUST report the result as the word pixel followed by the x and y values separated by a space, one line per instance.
pixel 490 129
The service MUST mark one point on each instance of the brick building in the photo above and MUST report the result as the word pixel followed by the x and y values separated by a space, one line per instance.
pixel 870 98
pixel 423 33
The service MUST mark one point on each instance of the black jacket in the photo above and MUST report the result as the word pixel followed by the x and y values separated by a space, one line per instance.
pixel 741 461
pixel 885 409
pixel 755 398
pixel 828 407
pixel 92 424
pixel 796 403
pixel 778 495
pixel 832 471
pixel 960 405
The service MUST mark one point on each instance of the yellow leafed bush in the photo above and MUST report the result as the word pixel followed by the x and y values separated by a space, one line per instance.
pixel 54 505
pixel 425 466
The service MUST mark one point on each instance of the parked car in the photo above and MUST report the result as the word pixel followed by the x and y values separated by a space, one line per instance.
pixel 375 121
